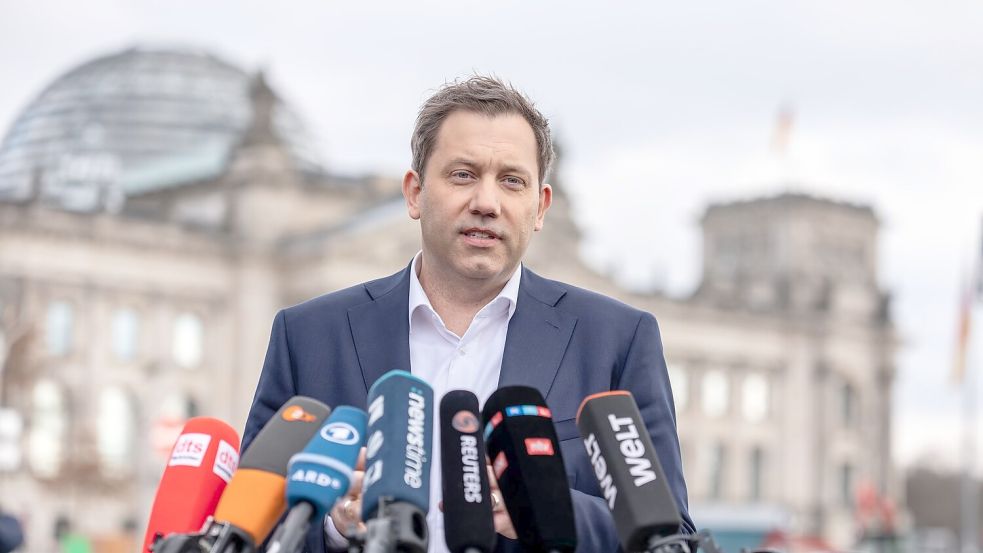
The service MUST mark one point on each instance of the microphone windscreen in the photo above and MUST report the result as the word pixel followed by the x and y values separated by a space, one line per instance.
pixel 202 461
pixel 631 478
pixel 322 472
pixel 400 442
pixel 468 522
pixel 526 459
pixel 256 496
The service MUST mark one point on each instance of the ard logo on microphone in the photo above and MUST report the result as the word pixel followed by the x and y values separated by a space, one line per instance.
pixel 340 433
pixel 296 413
pixel 315 477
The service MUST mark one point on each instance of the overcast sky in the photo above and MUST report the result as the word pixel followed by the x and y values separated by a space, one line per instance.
pixel 661 107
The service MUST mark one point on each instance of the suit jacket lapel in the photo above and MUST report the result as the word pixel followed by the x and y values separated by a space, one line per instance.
pixel 538 335
pixel 380 328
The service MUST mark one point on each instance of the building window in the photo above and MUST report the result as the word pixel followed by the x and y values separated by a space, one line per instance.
pixel 848 405
pixel 754 398
pixel 846 485
pixel 117 426
pixel 757 469
pixel 49 423
pixel 718 464
pixel 188 340
pixel 716 392
pixel 126 334
pixel 679 380
pixel 58 328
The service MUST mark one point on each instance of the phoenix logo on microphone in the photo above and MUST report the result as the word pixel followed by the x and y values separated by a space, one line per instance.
pixel 465 422
pixel 296 413
pixel 340 433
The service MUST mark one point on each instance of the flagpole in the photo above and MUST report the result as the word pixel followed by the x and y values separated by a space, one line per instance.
pixel 969 494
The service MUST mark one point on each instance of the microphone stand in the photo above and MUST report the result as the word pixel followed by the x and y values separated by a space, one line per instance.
pixel 684 543
pixel 398 524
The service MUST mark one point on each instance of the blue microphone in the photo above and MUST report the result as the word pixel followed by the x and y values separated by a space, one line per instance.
pixel 319 475
pixel 396 488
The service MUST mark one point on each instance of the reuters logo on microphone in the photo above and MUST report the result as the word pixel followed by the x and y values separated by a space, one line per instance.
pixel 296 413
pixel 465 422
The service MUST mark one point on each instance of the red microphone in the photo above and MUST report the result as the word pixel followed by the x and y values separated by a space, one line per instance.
pixel 202 462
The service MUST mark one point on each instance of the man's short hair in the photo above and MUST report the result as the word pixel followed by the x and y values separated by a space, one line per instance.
pixel 485 95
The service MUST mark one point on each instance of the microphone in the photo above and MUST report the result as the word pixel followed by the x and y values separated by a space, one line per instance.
pixel 201 463
pixel 632 481
pixel 319 475
pixel 526 458
pixel 255 497
pixel 468 524
pixel 396 488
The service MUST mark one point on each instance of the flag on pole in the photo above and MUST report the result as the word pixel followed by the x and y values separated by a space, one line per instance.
pixel 963 331
pixel 972 291
pixel 979 268
pixel 782 134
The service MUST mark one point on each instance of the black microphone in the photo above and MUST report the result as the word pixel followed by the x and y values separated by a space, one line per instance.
pixel 396 485
pixel 525 456
pixel 468 523
pixel 631 478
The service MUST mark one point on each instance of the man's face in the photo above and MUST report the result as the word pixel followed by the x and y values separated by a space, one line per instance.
pixel 480 199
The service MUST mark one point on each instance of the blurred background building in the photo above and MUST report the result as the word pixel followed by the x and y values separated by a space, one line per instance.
pixel 158 206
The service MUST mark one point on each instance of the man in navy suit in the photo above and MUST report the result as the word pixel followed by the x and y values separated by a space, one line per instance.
pixel 481 153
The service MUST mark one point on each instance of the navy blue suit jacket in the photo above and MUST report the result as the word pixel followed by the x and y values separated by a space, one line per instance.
pixel 564 341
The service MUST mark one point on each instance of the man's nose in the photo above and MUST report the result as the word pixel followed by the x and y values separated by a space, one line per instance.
pixel 485 200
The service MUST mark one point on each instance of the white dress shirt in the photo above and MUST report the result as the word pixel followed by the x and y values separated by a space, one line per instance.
pixel 450 362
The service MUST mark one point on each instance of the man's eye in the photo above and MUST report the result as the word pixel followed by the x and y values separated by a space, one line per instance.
pixel 461 175
pixel 514 182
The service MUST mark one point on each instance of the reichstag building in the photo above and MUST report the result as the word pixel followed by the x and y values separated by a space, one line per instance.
pixel 158 206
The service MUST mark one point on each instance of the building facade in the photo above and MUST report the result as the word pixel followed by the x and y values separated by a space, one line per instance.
pixel 157 207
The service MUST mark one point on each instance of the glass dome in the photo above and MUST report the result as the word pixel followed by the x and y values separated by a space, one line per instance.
pixel 132 121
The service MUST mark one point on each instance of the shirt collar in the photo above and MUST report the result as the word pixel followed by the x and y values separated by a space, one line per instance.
pixel 418 298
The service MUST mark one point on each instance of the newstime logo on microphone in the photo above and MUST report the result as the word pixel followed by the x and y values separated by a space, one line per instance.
pixel 416 453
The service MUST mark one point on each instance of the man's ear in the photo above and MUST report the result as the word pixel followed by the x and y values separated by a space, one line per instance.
pixel 412 186
pixel 545 200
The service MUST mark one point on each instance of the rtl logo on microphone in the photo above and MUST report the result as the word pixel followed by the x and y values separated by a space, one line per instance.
pixel 189 450
pixel 539 446
pixel 226 460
